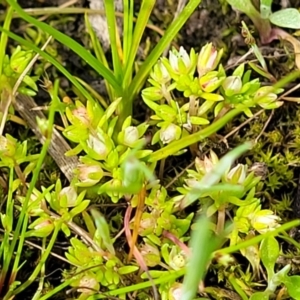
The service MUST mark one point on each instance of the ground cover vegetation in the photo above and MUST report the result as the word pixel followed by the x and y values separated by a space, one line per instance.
pixel 160 162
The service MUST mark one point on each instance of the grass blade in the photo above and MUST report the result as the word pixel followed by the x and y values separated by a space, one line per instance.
pixel 51 59
pixel 99 52
pixel 73 45
pixel 143 17
pixel 202 245
pixel 112 30
pixel 127 29
pixel 3 39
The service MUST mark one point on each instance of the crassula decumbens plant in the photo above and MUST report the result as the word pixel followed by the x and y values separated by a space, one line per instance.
pixel 208 93
pixel 187 94
pixel 204 95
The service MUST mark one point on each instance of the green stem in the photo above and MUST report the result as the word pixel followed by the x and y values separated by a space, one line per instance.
pixel 42 275
pixel 8 228
pixel 257 239
pixel 141 23
pixel 4 37
pixel 23 218
pixel 127 30
pixel 41 263
pixel 125 107
pixel 263 26
pixel 57 289
pixel 290 240
pixel 144 285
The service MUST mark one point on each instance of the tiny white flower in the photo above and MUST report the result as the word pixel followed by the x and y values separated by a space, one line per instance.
pixel 232 85
pixel 184 56
pixel 173 59
pixel 178 261
pixel 207 164
pixel 264 221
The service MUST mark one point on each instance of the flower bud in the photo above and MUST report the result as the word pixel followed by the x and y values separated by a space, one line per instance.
pixel 151 254
pixel 160 73
pixel 175 292
pixel 170 133
pixel 176 58
pixel 20 59
pixel 43 224
pixel 232 85
pixel 148 223
pixel 237 175
pixel 210 81
pixel 68 197
pixel 192 183
pixel 98 146
pixel 207 164
pixel 78 116
pixel 43 125
pixel 131 135
pixel 88 174
pixel 152 93
pixel 208 59
pixel 8 146
pixel 41 227
pixel 266 98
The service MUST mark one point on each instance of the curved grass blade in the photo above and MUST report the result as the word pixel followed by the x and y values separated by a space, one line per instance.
pixel 51 59
pixel 202 244
pixel 99 53
pixel 73 45
pixel 3 38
